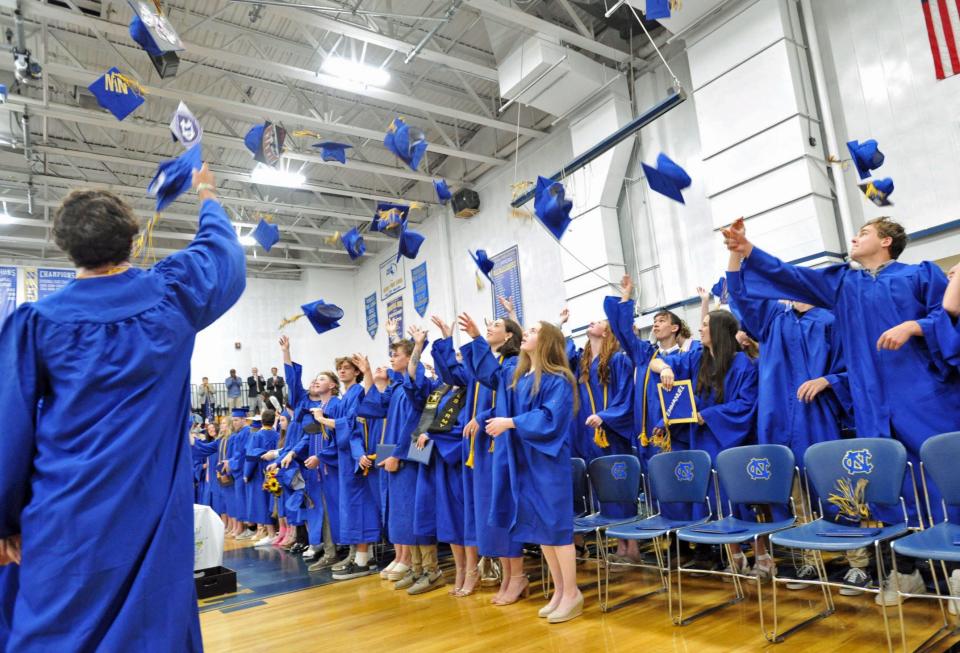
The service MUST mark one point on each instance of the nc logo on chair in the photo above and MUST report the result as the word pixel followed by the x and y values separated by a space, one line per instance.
pixel 619 471
pixel 857 461
pixel 684 470
pixel 759 469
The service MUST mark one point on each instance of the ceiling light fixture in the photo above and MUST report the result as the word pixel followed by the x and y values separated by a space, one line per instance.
pixel 5 217
pixel 247 240
pixel 267 176
pixel 355 71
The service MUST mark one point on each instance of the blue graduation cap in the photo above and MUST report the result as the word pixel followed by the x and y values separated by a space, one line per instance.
pixel 323 317
pixel 719 290
pixel 185 127
pixel 551 206
pixel 239 412
pixel 866 156
pixel 657 9
pixel 410 242
pixel 408 145
pixel 117 94
pixel 443 191
pixel 667 178
pixel 353 243
pixel 266 234
pixel 331 151
pixel 389 218
pixel 265 142
pixel 878 191
pixel 175 177
pixel 155 34
pixel 483 262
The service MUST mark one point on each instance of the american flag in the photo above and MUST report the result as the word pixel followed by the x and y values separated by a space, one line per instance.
pixel 942 18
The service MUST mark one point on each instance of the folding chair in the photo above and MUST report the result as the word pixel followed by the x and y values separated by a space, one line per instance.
pixel 613 479
pixel 674 477
pixel 750 475
pixel 836 467
pixel 582 506
pixel 940 542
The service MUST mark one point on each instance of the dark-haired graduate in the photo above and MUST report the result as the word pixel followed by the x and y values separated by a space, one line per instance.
pixel 489 363
pixel 259 501
pixel 886 312
pixel 102 370
pixel 533 495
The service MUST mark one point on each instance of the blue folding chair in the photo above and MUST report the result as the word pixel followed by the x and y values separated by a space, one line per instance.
pixel 674 477
pixel 582 506
pixel 759 474
pixel 838 467
pixel 941 542
pixel 614 480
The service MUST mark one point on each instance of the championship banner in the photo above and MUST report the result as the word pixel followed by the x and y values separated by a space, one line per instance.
pixel 505 276
pixel 421 291
pixel 373 322
pixel 677 404
pixel 50 280
pixel 395 312
pixel 29 284
pixel 8 291
pixel 391 277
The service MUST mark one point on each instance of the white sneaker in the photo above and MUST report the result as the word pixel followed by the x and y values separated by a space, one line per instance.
pixel 310 552
pixel 856 577
pixel 909 583
pixel 742 567
pixel 246 535
pixel 266 541
pixel 953 583
pixel 386 570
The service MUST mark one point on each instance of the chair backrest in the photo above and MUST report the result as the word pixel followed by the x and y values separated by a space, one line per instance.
pixel 939 454
pixel 882 462
pixel 758 473
pixel 680 476
pixel 581 504
pixel 615 479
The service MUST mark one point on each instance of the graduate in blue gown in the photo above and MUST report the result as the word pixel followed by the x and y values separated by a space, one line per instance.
pixel 402 416
pixel 487 361
pixel 260 501
pixel 947 326
pixel 533 494
pixel 237 454
pixel 108 357
pixel 322 518
pixel 228 490
pixel 672 335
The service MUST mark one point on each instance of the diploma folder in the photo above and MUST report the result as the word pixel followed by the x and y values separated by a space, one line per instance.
pixel 421 456
pixel 384 451
pixel 677 404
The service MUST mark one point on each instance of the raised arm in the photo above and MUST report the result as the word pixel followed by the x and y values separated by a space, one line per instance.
pixel 511 310
pixel 293 373
pixel 419 337
pixel 951 298
pixel 620 317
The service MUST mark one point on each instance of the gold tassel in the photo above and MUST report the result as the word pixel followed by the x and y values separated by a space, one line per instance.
pixel 644 440
pixel 415 205
pixel 306 132
pixel 143 247
pixel 600 438
pixel 851 500
pixel 480 285
pixel 333 240
pixel 290 320
pixel 470 456
pixel 131 83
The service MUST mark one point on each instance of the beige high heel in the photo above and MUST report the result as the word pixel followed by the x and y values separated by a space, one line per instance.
pixel 575 611
pixel 525 592
pixel 474 574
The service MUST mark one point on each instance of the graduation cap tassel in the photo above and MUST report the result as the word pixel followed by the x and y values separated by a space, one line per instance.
pixel 290 320
pixel 143 248
pixel 851 500
pixel 480 285
pixel 133 84
pixel 306 132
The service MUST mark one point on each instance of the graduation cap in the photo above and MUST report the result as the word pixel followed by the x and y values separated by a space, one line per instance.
pixel 443 191
pixel 483 262
pixel 719 290
pixel 185 127
pixel 878 190
pixel 657 9
pixel 323 317
pixel 353 243
pixel 265 142
pixel 266 234
pixel 551 206
pixel 667 178
pixel 410 242
pixel 866 156
pixel 153 32
pixel 175 177
pixel 239 412
pixel 331 151
pixel 117 93
pixel 408 145
pixel 256 421
pixel 389 218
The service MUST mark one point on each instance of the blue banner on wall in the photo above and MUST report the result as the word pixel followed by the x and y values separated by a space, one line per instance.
pixel 391 277
pixel 8 291
pixel 50 280
pixel 421 291
pixel 506 282
pixel 370 303
pixel 395 312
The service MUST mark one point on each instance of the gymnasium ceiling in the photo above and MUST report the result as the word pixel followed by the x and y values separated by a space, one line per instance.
pixel 245 62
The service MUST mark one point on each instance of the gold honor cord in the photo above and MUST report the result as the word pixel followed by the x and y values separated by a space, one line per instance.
pixel 599 435
pixel 473 416
pixel 366 443
pixel 143 248
pixel 644 440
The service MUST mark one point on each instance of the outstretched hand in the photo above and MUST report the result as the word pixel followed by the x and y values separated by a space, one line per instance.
pixel 735 238
pixel 468 326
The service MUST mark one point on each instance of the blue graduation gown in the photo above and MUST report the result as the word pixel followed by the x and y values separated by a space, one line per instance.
pixel 237 458
pixel 946 342
pixel 259 501
pixel 370 433
pixel 911 393
pixel 203 454
pixel 613 404
pixel 728 424
pixel 533 494
pixel 109 360
pixel 486 375
pixel 796 347
pixel 359 512
pixel 401 419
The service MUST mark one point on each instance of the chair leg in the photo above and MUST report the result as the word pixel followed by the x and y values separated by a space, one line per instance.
pixel 679 618
pixel 883 609
pixel 604 562
pixel 738 594
pixel 775 635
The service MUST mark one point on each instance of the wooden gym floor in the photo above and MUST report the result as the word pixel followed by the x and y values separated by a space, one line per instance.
pixel 366 615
